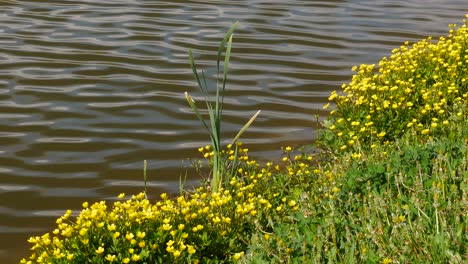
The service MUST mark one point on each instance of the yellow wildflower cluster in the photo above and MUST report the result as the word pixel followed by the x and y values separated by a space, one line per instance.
pixel 188 228
pixel 420 88
pixel 231 152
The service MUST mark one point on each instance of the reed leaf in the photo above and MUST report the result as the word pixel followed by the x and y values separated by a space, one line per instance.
pixel 244 128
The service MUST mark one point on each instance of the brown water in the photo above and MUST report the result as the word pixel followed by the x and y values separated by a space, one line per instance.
pixel 90 89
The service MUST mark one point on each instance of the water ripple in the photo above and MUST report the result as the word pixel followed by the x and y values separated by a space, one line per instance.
pixel 90 89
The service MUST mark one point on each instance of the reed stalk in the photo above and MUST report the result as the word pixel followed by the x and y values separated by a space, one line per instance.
pixel 214 105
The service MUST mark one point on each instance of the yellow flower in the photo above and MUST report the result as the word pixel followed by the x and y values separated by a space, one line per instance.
pixel 167 227
pixel 182 246
pixel 110 257
pixel 333 96
pixel 135 257
pixel 125 260
pixel 121 195
pixel 141 234
pixel 129 236
pixel 216 219
pixel 191 250
pixel 381 134
pixel 83 231
pixel 100 250
pixel 239 255
pixel 399 219
pixel 111 227
pixel 170 249
pixel 386 261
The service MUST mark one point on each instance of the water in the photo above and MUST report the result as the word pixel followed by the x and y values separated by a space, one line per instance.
pixel 90 89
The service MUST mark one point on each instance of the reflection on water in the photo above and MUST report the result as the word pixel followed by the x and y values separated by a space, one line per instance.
pixel 89 89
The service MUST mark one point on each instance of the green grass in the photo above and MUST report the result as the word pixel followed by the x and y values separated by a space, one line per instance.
pixel 389 183
pixel 404 202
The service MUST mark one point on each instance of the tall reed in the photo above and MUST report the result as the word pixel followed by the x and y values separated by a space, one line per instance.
pixel 215 109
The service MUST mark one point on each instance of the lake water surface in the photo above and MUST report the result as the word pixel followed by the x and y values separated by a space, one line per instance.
pixel 90 89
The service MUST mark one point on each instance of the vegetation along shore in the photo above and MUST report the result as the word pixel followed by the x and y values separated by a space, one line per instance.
pixel 386 182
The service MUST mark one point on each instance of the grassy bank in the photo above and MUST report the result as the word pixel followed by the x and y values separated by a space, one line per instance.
pixel 387 182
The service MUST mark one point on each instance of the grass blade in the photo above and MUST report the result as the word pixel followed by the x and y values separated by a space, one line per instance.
pixel 195 72
pixel 223 42
pixel 145 178
pixel 245 127
pixel 227 58
pixel 226 61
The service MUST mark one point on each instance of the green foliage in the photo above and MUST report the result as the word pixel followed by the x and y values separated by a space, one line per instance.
pixel 395 191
